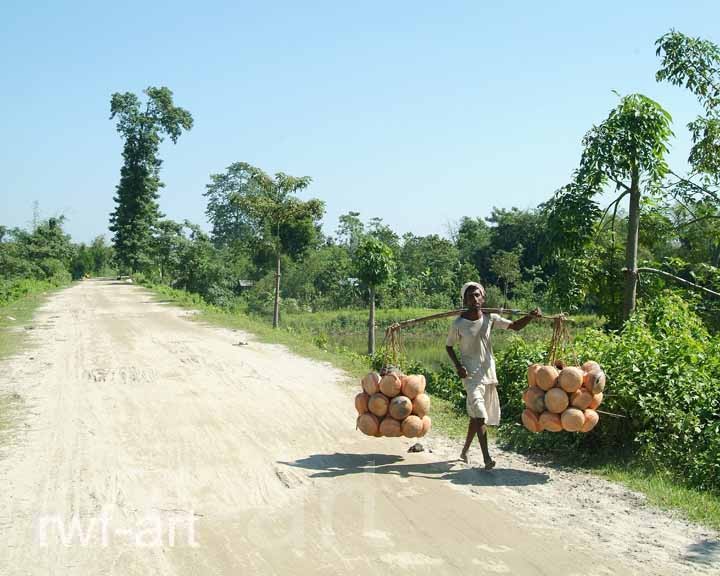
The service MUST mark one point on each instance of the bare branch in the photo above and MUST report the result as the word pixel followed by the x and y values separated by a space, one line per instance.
pixel 614 202
pixel 612 231
pixel 698 219
pixel 620 184
pixel 678 279
pixel 684 206
pixel 697 187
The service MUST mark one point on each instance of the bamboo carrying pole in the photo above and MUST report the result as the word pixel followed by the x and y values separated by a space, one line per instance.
pixel 391 333
pixel 406 323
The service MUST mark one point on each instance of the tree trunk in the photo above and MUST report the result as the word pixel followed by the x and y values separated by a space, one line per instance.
pixel 276 307
pixel 371 323
pixel 631 250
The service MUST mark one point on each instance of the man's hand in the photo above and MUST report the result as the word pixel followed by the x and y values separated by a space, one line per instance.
pixel 520 323
pixel 462 371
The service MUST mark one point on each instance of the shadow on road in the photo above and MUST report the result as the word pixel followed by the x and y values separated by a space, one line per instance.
pixel 333 465
pixel 705 552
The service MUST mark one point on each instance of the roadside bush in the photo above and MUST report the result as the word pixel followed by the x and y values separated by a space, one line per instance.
pixel 260 298
pixel 662 379
pixel 12 290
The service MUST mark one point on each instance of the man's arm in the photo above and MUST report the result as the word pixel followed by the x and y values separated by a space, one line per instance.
pixel 459 368
pixel 525 320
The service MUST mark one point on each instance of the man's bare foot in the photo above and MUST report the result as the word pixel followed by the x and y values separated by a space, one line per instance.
pixel 464 457
pixel 490 464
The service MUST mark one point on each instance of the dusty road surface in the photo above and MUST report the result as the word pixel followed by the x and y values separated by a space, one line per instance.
pixel 145 443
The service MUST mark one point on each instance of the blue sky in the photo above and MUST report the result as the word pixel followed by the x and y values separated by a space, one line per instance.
pixel 416 112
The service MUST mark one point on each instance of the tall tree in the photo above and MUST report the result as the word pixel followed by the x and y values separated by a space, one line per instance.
pixel 280 221
pixel 627 151
pixel 142 126
pixel 375 264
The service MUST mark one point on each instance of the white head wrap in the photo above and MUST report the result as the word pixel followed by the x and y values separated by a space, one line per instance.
pixel 466 286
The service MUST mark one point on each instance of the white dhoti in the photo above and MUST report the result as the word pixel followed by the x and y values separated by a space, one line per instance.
pixel 483 401
pixel 473 336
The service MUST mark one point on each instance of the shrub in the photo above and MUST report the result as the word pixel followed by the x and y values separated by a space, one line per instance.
pixel 662 378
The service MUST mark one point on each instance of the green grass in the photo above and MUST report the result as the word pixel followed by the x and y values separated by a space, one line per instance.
pixel 344 346
pixel 661 491
pixel 425 343
pixel 447 420
pixel 14 317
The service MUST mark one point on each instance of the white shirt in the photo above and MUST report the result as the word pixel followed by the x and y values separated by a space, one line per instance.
pixel 475 347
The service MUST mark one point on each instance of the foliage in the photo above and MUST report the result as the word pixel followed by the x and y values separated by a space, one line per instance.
pixel 432 263
pixel 16 289
pixel 350 231
pixel 516 231
pixel 280 223
pixel 323 279
pixel 374 262
pixel 92 260
pixel 634 137
pixel 45 253
pixel 142 128
pixel 506 266
pixel 695 64
pixel 33 262
pixel 277 219
pixel 230 225
pixel 662 378
pixel 627 150
pixel 473 239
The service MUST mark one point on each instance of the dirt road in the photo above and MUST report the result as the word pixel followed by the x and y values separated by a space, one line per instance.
pixel 145 443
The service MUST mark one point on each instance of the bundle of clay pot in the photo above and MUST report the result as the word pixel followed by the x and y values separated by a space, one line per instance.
pixel 393 405
pixel 563 399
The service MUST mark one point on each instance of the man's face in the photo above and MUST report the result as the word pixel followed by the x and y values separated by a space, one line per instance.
pixel 474 297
